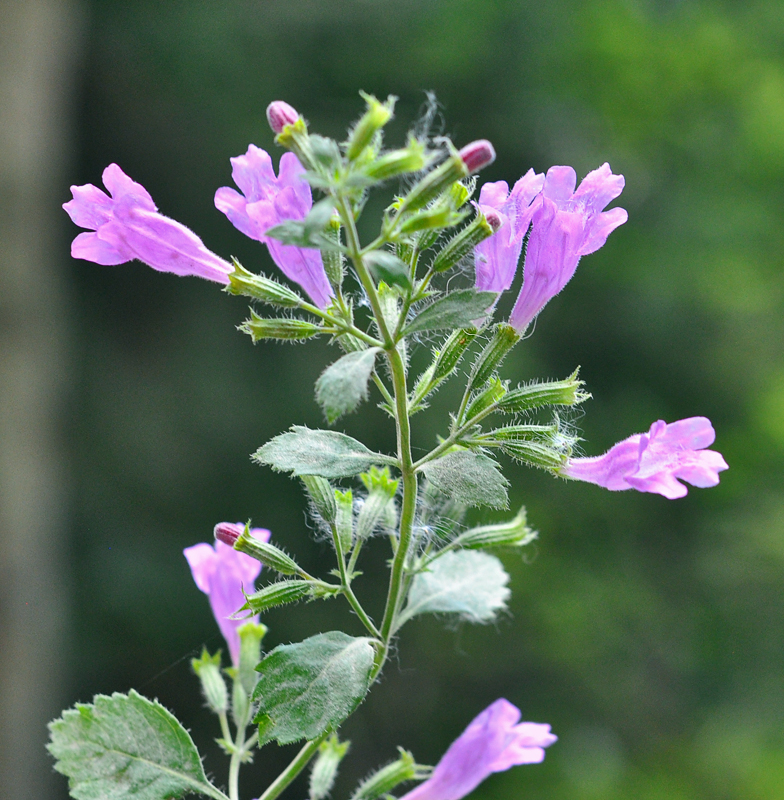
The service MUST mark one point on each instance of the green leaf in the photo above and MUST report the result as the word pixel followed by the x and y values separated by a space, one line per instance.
pixel 343 385
pixel 469 583
pixel 387 267
pixel 311 687
pixel 308 232
pixel 457 310
pixel 127 746
pixel 470 477
pixel 329 454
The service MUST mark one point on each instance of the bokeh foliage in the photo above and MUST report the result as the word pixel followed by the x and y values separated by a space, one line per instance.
pixel 649 633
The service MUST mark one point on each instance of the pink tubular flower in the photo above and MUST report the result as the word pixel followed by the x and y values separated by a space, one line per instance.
pixel 493 742
pixel 127 225
pixel 267 201
pixel 222 573
pixel 497 257
pixel 568 224
pixel 654 461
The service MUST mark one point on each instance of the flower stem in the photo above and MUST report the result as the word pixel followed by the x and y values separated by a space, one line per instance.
pixel 293 769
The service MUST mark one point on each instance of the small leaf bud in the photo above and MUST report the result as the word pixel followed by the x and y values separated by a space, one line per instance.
pixel 267 553
pixel 280 114
pixel 477 155
pixel 322 495
pixel 207 668
pixel 325 767
pixel 227 532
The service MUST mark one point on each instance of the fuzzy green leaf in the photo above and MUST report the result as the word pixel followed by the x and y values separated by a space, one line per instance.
pixel 387 267
pixel 469 583
pixel 126 746
pixel 343 385
pixel 470 477
pixel 329 454
pixel 311 687
pixel 457 310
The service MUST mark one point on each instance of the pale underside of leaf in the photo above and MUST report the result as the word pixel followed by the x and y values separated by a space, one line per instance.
pixel 328 454
pixel 470 477
pixel 343 385
pixel 468 583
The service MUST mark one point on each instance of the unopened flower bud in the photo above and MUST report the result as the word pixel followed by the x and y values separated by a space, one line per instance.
pixel 493 218
pixel 477 155
pixel 280 114
pixel 228 532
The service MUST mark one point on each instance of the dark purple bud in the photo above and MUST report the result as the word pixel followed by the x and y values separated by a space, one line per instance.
pixel 493 218
pixel 477 155
pixel 280 114
pixel 228 532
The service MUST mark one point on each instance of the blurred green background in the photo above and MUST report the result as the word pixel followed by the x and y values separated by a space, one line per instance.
pixel 648 633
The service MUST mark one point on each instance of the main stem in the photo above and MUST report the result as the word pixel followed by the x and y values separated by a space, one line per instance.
pixel 400 391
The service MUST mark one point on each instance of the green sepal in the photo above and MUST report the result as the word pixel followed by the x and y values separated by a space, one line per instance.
pixel 207 669
pixel 251 634
pixel 504 338
pixel 436 182
pixel 332 258
pixel 242 282
pixel 386 779
pixel 325 768
pixel 278 594
pixel 344 521
pixel 514 533
pixel 412 158
pixel 536 454
pixel 240 706
pixel 364 132
pixel 271 556
pixel 551 393
pixel 442 367
pixel 294 137
pixel 462 244
pixel 283 329
pixel 492 393
pixel 322 495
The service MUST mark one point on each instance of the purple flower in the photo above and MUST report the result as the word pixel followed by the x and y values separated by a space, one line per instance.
pixel 568 224
pixel 493 742
pixel 654 461
pixel 267 201
pixel 222 573
pixel 127 225
pixel 497 257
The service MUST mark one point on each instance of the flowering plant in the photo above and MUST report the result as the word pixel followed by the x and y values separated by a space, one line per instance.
pixel 376 301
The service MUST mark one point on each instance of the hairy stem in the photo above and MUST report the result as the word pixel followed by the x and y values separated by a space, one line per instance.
pixel 299 763
pixel 345 579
